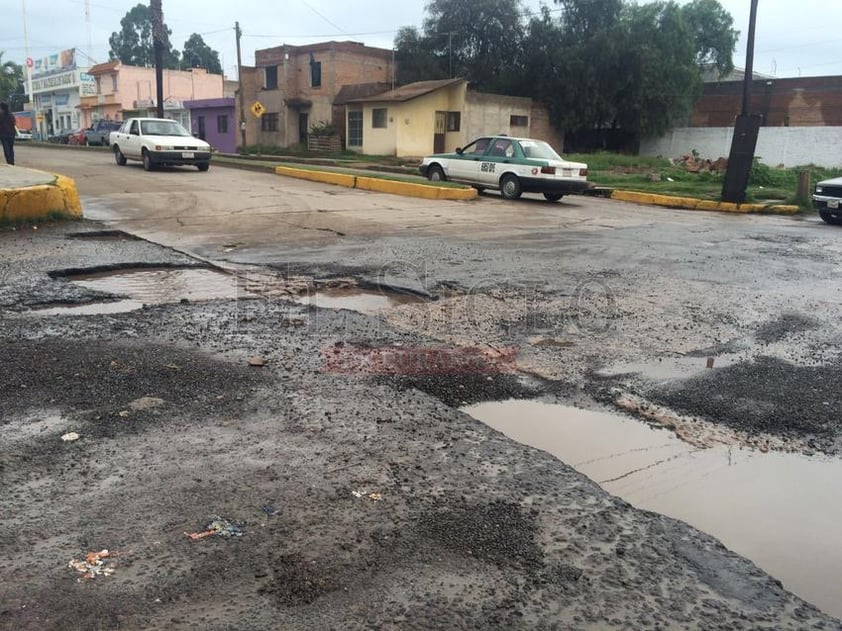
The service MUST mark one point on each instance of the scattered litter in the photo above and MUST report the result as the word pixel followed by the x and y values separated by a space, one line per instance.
pixel 218 527
pixel 125 413
pixel 270 510
pixel 146 403
pixel 258 361
pixel 374 497
pixel 94 565
pixel 70 437
pixel 710 362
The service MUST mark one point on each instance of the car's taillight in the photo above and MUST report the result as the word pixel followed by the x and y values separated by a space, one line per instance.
pixel 548 170
pixel 583 172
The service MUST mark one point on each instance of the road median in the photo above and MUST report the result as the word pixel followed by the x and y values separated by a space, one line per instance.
pixel 691 203
pixel 381 185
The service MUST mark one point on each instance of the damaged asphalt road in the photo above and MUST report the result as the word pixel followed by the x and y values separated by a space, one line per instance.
pixel 389 508
pixel 366 498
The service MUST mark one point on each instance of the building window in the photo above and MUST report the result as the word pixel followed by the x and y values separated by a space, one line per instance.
pixel 315 74
pixel 271 78
pixel 454 121
pixel 269 122
pixel 378 117
pixel 114 83
pixel 519 121
pixel 355 129
pixel 99 85
pixel 222 124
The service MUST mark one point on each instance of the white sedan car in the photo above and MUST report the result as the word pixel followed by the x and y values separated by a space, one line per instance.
pixel 513 165
pixel 158 142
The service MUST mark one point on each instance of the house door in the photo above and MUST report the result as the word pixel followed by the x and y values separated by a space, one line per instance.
pixel 439 135
pixel 303 127
pixel 202 130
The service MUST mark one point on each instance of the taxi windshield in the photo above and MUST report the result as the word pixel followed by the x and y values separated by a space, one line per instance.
pixel 538 149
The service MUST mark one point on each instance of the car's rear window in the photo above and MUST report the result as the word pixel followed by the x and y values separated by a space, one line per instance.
pixel 539 150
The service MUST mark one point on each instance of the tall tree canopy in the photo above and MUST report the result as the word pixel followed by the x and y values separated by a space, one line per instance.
pixel 477 39
pixel 133 44
pixel 11 84
pixel 597 64
pixel 197 54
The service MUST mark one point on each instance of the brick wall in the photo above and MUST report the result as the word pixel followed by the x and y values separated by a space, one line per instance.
pixel 793 102
pixel 342 63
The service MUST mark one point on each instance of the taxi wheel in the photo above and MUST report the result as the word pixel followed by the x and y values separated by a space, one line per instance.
pixel 553 197
pixel 510 186
pixel 119 157
pixel 436 174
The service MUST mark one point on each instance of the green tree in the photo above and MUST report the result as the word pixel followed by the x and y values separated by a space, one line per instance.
pixel 133 44
pixel 197 54
pixel 11 84
pixel 714 33
pixel 417 58
pixel 478 40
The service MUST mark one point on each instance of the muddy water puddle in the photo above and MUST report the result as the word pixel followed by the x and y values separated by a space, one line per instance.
pixel 148 286
pixel 355 299
pixel 780 510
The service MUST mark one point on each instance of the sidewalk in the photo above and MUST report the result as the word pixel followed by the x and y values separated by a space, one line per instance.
pixel 30 195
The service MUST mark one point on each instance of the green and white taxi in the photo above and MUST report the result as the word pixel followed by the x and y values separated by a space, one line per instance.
pixel 512 165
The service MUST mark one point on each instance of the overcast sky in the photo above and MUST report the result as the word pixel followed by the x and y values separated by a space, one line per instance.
pixel 793 38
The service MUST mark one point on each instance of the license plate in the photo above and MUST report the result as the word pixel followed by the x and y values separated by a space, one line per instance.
pixel 188 154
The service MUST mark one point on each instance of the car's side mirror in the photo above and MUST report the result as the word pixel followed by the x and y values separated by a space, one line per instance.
pixel 459 150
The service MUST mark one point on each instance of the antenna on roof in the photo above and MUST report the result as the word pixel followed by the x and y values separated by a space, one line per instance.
pixel 88 23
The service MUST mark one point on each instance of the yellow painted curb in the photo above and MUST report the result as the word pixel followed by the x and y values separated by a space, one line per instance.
pixel 393 187
pixel 340 179
pixel 409 189
pixel 44 201
pixel 690 203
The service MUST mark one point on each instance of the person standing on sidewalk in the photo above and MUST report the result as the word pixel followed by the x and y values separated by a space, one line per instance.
pixel 8 128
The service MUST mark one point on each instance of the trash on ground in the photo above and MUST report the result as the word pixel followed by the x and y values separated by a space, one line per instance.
pixel 94 565
pixel 270 510
pixel 218 527
pixel 70 437
pixel 258 361
pixel 374 497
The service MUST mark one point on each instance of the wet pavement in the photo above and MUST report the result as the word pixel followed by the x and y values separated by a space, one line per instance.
pixel 385 490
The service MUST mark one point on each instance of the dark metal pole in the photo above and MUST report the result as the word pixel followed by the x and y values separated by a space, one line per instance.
pixel 240 94
pixel 749 75
pixel 746 130
pixel 158 46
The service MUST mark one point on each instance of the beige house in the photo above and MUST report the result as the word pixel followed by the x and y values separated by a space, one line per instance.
pixel 438 116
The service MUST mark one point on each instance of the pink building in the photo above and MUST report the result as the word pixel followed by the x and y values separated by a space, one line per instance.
pixel 124 91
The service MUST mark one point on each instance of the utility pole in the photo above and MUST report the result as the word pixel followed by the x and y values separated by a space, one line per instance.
pixel 746 129
pixel 240 94
pixel 36 125
pixel 158 46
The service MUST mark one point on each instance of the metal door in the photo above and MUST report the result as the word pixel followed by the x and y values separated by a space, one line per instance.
pixel 439 135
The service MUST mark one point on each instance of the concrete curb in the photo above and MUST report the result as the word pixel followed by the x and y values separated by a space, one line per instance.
pixel 59 199
pixel 690 203
pixel 407 189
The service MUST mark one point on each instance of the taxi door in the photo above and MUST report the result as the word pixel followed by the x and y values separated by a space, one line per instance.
pixel 493 165
pixel 466 166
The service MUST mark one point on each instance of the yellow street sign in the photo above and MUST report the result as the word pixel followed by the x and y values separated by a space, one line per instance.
pixel 257 109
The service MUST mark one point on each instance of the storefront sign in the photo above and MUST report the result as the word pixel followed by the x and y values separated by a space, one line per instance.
pixel 64 80
pixel 55 64
pixel 87 84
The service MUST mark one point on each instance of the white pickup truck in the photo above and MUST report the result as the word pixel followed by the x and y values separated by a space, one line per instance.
pixel 158 142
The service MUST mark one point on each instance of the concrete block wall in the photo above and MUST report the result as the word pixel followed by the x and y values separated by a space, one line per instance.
pixel 790 146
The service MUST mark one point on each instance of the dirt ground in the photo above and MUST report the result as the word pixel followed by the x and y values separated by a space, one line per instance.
pixel 361 501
